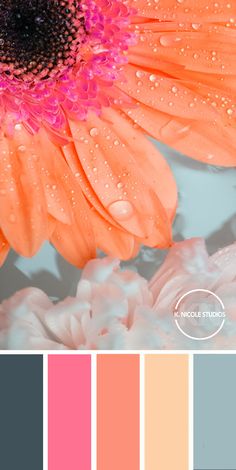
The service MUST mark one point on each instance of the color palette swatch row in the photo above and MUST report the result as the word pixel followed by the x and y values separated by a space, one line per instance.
pixel 118 411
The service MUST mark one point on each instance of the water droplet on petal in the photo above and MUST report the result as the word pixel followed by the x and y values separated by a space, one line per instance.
pixel 139 74
pixel 121 210
pixel 93 132
pixel 196 26
pixel 169 40
pixel 152 77
pixel 22 148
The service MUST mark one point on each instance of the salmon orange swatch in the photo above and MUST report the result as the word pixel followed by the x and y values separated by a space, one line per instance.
pixel 118 412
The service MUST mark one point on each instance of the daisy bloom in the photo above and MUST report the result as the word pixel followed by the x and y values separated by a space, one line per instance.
pixel 81 83
pixel 115 308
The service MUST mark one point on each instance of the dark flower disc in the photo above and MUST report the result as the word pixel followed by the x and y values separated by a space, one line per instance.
pixel 37 36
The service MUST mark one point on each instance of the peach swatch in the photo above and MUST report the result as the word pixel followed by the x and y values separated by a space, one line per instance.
pixel 166 412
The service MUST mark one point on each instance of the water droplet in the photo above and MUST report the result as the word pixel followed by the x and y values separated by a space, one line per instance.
pixel 22 148
pixel 152 77
pixel 139 74
pixel 169 40
pixel 93 132
pixel 121 210
pixel 196 26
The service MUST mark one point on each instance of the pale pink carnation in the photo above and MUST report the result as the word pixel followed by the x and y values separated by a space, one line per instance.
pixel 118 309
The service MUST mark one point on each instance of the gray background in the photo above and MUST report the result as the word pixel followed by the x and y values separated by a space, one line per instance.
pixel 214 412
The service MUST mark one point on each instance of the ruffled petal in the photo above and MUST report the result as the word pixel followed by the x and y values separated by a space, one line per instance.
pixel 225 260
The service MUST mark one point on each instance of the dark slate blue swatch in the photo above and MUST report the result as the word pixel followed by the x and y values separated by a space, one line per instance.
pixel 215 412
pixel 21 412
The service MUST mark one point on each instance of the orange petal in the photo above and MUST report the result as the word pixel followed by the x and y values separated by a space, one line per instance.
pixel 151 163
pixel 164 94
pixel 108 236
pixel 174 10
pixel 4 248
pixel 74 163
pixel 198 47
pixel 112 240
pixel 211 143
pixel 23 216
pixel 75 241
pixel 52 169
pixel 109 162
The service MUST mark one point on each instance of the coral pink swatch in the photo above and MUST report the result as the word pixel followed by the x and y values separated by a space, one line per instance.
pixel 118 412
pixel 69 412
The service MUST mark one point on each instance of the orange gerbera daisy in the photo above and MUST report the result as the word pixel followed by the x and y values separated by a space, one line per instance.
pixel 81 82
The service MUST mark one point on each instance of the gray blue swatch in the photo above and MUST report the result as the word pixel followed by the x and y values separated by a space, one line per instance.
pixel 215 412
